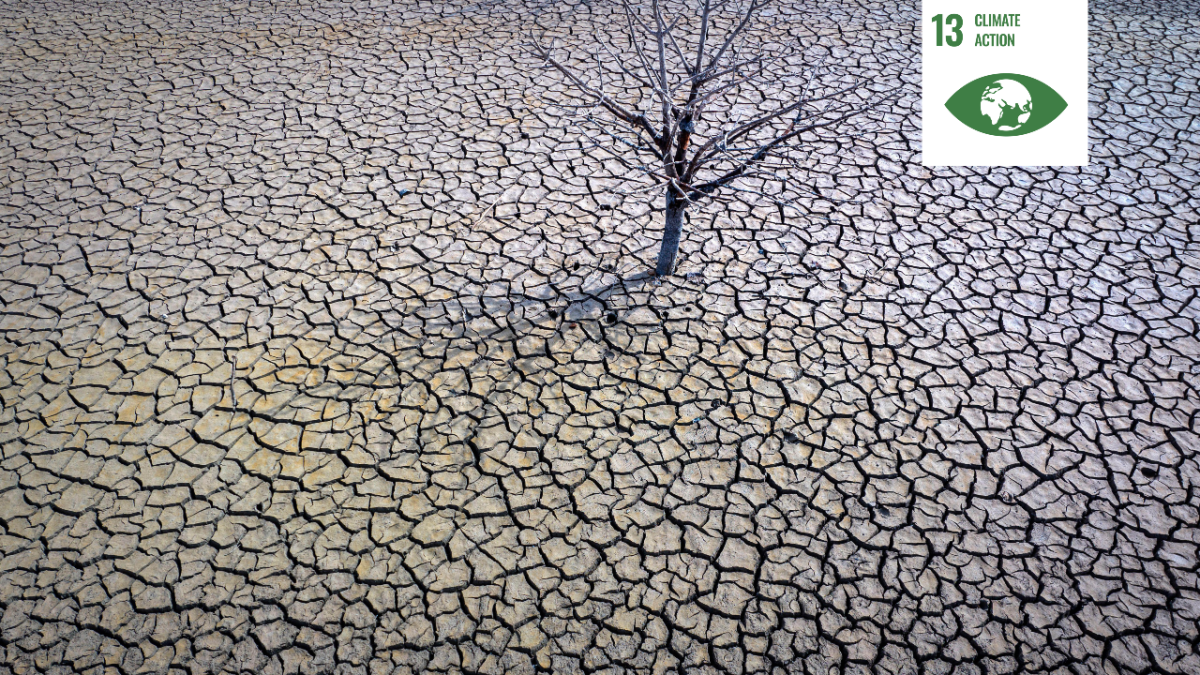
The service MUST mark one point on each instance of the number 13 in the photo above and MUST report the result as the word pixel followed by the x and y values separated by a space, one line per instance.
pixel 956 23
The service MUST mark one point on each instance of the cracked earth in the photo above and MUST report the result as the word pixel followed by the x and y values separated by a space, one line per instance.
pixel 325 350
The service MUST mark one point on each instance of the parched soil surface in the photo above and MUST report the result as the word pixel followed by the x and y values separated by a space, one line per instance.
pixel 324 348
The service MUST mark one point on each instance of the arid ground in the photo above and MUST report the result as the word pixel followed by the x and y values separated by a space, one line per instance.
pixel 324 348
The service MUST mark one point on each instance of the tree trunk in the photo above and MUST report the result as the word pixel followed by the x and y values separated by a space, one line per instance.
pixel 671 234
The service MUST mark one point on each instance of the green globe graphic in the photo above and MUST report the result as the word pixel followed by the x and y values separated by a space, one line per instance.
pixel 1007 103
pixel 1002 104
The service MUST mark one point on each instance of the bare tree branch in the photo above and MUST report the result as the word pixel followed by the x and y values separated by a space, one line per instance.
pixel 733 34
pixel 609 104
pixel 766 150
pixel 704 16
pixel 703 154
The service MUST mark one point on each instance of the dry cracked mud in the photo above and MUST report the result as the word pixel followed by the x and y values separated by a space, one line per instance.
pixel 325 350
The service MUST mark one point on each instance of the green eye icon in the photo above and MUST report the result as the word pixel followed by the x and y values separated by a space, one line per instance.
pixel 1006 104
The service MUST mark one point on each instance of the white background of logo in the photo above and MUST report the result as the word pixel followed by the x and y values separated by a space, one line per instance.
pixel 1051 46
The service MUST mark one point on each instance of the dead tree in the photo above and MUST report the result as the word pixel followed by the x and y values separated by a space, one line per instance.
pixel 700 104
